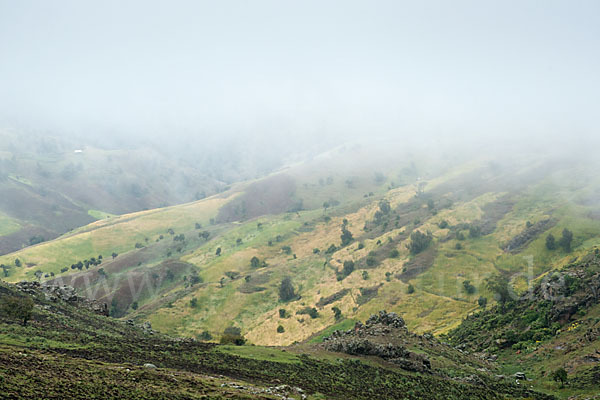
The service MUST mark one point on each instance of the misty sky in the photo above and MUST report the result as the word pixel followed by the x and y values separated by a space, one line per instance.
pixel 315 68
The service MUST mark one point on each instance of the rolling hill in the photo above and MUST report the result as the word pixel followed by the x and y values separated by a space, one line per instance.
pixel 420 237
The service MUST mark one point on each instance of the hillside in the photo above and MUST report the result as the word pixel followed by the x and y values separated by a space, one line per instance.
pixel 554 326
pixel 51 185
pixel 475 219
pixel 67 349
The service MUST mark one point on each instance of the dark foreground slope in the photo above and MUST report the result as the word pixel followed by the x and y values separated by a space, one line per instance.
pixel 69 350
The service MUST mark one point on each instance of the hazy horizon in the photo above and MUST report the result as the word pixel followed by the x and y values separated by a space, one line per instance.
pixel 315 71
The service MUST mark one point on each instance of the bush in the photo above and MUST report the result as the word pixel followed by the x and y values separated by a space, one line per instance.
pixel 287 250
pixel 410 289
pixel 282 313
pixel 470 289
pixel 280 329
pixel 394 253
pixel 482 301
pixel 205 335
pixel 337 313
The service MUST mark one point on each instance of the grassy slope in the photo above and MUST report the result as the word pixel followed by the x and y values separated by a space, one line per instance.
pixel 439 301
pixel 66 351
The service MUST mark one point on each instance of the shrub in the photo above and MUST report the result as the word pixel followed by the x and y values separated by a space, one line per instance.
pixel 410 289
pixel 469 288
pixel 337 313
pixel 394 253
pixel 280 329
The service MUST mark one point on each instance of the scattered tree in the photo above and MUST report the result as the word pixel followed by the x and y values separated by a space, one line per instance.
pixel 286 289
pixel 254 262
pixel 218 252
pixel 419 241
pixel 18 307
pixel 114 255
pixel 286 249
pixel 550 242
pixel 482 301
pixel 384 207
pixel 499 285
pixel 18 262
pixel 280 329
pixel 566 239
pixel 468 287
pixel 410 289
pixel 346 236
pixel 348 267
pixel 337 313
pixel 194 302
pixel 560 375
pixel 394 253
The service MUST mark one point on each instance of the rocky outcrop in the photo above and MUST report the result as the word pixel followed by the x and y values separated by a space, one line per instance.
pixel 364 339
pixel 63 293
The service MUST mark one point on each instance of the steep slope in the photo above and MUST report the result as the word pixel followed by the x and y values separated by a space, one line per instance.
pixel 554 326
pixel 67 350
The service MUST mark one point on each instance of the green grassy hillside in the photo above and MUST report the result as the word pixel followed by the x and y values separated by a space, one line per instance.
pixel 477 219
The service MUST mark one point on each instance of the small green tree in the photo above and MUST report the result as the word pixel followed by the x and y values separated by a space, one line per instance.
pixel 17 307
pixel 194 302
pixel 550 242
pixel 566 239
pixel 469 288
pixel 337 313
pixel 482 301
pixel 218 251
pixel 348 267
pixel 286 289
pixel 254 262
pixel 500 286
pixel 560 375
pixel 280 329
pixel 346 236
pixel 419 241
pixel 18 262
pixel 410 289
pixel 384 207
pixel 282 313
